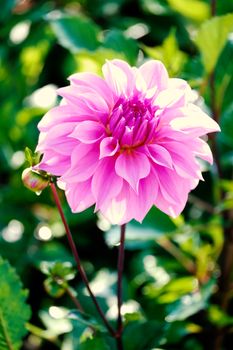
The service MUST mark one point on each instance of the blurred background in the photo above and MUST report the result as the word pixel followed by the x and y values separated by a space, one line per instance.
pixel 175 293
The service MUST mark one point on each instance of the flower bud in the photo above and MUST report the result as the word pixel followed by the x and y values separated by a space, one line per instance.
pixel 34 181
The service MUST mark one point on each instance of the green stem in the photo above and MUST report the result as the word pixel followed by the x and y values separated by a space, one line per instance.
pixel 77 259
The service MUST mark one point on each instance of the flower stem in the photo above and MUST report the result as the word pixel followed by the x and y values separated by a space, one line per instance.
pixel 77 259
pixel 74 299
pixel 119 287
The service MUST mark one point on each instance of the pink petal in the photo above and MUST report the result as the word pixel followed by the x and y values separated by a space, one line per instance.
pixel 129 73
pixel 196 122
pixel 106 184
pixel 53 163
pixel 79 196
pixel 202 150
pixel 58 139
pixel 168 182
pixel 93 82
pixel 170 209
pixel 154 74
pixel 93 101
pixel 66 114
pixel 128 205
pixel 132 166
pixel 108 147
pixel 183 159
pixel 84 161
pixel 88 131
pixel 160 155
pixel 170 98
pixel 115 78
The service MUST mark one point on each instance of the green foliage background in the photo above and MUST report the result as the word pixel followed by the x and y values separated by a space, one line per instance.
pixel 174 293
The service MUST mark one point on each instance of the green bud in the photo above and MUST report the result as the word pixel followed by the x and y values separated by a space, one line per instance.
pixel 34 180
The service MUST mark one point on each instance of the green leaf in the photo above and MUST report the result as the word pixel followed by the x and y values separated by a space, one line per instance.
pixel 169 53
pixel 195 10
pixel 14 312
pixel 227 126
pixel 142 334
pixel 116 40
pixel 190 304
pixel 75 33
pixel 218 317
pixel 86 320
pixel 211 39
pixel 29 155
pixel 6 8
pixel 95 343
pixel 140 236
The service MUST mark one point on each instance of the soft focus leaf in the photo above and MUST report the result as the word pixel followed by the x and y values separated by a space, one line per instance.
pixel 116 40
pixel 211 39
pixel 14 312
pixel 195 10
pixel 190 304
pixel 227 126
pixel 169 53
pixel 75 33
pixel 96 343
pixel 6 7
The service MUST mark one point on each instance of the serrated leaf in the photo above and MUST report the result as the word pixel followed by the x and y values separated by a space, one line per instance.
pixel 75 33
pixel 211 39
pixel 14 312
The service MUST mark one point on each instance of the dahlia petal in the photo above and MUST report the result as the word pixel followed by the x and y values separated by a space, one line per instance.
pixel 154 74
pixel 132 166
pixel 65 114
pixel 92 101
pixel 53 163
pixel 160 155
pixel 88 131
pixel 170 209
pixel 129 73
pixel 116 211
pixel 84 161
pixel 79 196
pixel 108 147
pixel 196 121
pixel 202 150
pixel 57 138
pixel 167 115
pixel 106 184
pixel 167 183
pixel 170 98
pixel 93 82
pixel 140 82
pixel 128 205
pixel 183 158
pixel 115 78
pixel 127 137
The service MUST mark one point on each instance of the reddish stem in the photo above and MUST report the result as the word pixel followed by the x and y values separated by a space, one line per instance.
pixel 119 287
pixel 78 261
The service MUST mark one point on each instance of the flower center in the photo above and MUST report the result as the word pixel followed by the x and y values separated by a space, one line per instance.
pixel 132 122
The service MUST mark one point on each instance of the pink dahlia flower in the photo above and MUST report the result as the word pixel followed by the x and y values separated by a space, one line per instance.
pixel 126 142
